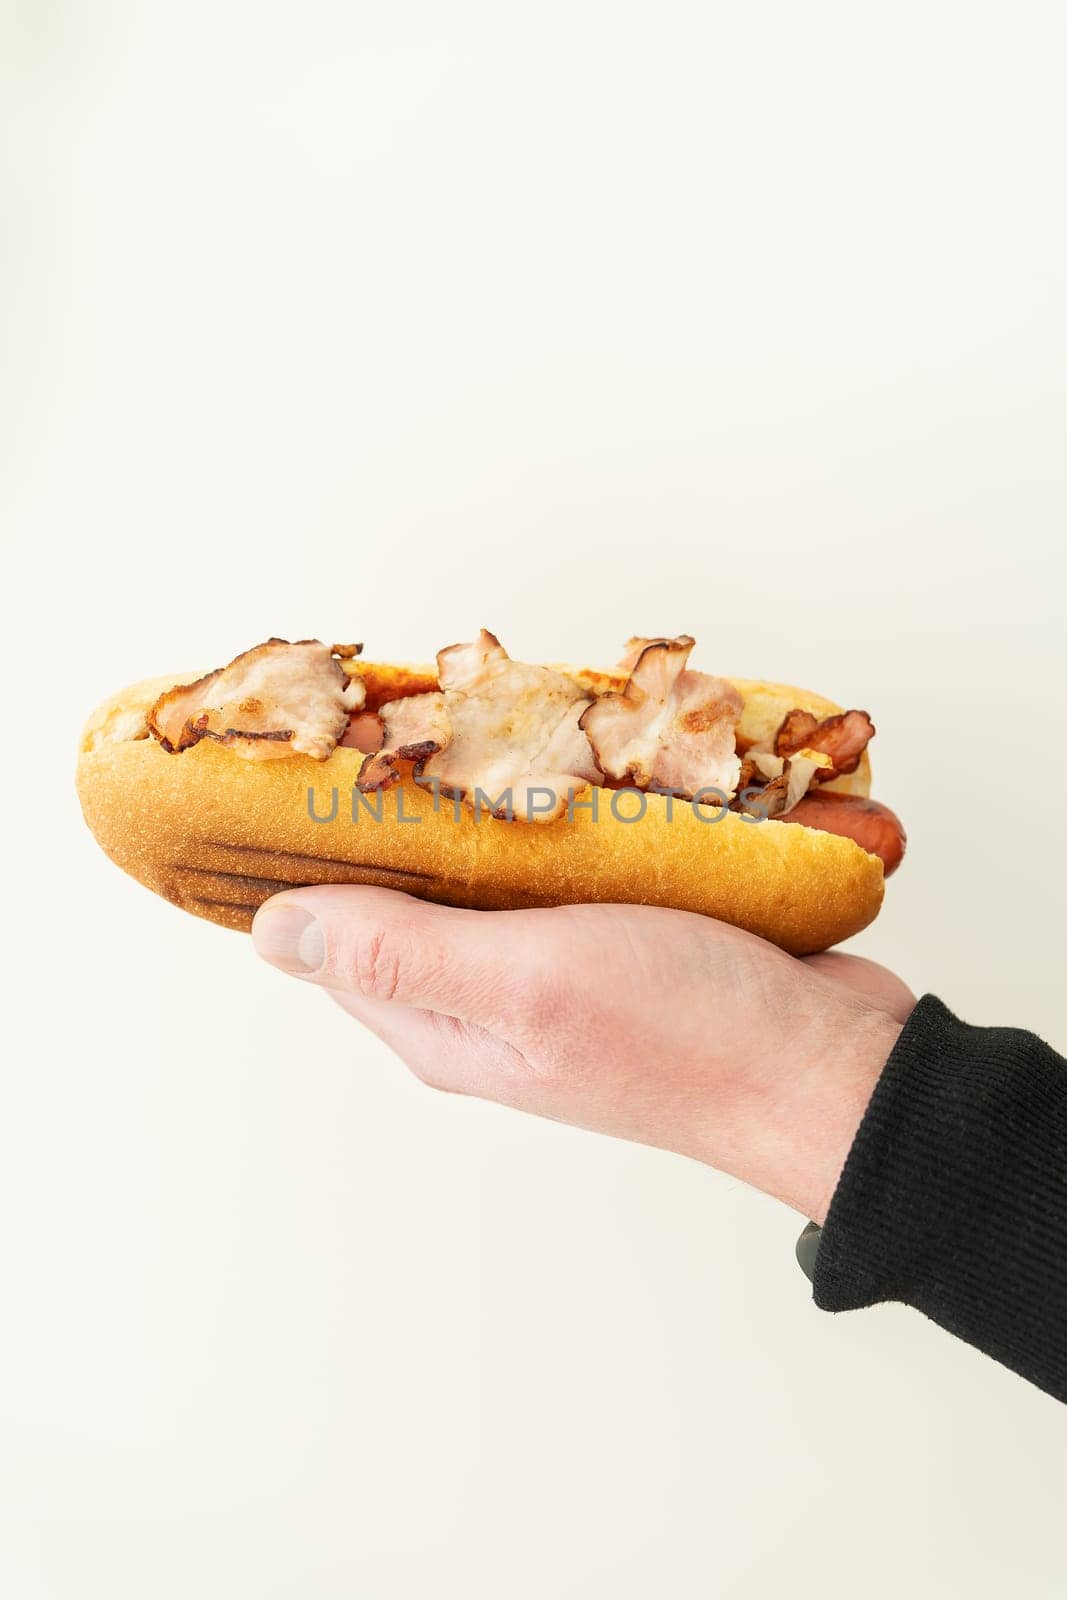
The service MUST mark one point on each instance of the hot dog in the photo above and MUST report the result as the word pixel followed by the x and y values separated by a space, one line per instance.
pixel 490 782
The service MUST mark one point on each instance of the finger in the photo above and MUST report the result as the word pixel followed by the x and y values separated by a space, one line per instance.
pixel 412 1034
pixel 405 1029
pixel 867 978
pixel 443 1051
pixel 480 966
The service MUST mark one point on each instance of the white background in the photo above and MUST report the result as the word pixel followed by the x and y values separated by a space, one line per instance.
pixel 574 320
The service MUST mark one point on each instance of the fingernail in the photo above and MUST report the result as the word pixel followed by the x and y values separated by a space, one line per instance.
pixel 290 938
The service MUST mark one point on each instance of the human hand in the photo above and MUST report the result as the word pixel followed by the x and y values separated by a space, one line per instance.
pixel 659 1026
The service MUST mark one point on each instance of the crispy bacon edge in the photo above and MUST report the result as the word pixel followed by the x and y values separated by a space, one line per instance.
pixel 843 738
pixel 378 772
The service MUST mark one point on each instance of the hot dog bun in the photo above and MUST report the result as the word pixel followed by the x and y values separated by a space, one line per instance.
pixel 218 835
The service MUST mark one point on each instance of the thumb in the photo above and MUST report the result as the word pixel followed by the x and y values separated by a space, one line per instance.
pixel 385 945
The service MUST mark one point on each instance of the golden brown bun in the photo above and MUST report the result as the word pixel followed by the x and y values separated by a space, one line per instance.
pixel 218 835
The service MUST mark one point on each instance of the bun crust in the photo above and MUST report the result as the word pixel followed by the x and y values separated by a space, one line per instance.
pixel 218 835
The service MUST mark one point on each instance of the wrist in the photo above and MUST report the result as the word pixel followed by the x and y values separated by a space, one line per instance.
pixel 795 1135
pixel 839 1101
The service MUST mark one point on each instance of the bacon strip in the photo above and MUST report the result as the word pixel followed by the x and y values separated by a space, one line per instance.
pixel 670 728
pixel 279 699
pixel 413 729
pixel 501 735
pixel 843 738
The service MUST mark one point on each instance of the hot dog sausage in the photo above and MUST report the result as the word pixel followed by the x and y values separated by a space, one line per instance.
pixel 873 826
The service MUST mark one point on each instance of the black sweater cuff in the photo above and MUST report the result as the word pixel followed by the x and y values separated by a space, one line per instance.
pixel 954 1195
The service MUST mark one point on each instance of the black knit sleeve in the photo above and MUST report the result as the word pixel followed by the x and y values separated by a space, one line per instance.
pixel 954 1195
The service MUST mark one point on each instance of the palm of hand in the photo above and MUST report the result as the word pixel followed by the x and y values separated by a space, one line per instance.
pixel 653 1025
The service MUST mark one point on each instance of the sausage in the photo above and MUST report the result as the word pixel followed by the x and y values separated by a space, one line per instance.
pixel 364 732
pixel 873 826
